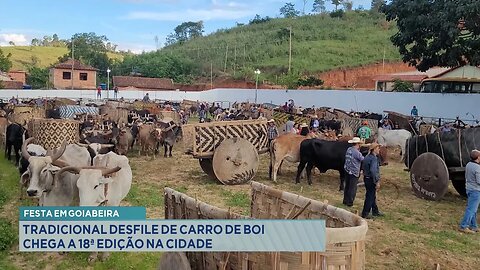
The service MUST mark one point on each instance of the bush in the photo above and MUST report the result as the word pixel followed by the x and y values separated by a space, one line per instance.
pixel 337 14
pixel 310 81
pixel 402 86
pixel 7 235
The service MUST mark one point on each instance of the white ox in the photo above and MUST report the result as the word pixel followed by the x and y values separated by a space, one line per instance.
pixel 106 183
pixel 397 137
pixel 41 170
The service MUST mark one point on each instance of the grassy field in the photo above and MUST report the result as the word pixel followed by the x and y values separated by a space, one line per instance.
pixel 46 56
pixel 414 234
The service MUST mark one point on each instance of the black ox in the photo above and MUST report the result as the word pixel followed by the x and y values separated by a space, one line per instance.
pixel 327 155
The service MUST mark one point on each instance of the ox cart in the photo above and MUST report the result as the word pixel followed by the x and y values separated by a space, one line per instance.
pixel 434 159
pixel 227 151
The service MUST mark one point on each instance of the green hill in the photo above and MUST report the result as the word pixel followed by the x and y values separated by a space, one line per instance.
pixel 319 43
pixel 45 56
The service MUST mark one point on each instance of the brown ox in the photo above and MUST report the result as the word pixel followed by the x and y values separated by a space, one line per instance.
pixel 287 147
pixel 147 138
pixel 3 130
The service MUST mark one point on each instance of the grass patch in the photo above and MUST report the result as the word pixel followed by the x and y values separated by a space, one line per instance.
pixel 453 241
pixel 145 196
pixel 410 227
pixel 236 199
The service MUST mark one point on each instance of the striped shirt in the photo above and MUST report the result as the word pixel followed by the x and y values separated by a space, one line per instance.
pixel 353 160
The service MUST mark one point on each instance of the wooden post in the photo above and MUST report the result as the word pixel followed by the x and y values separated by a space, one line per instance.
pixel 290 51
pixel 234 60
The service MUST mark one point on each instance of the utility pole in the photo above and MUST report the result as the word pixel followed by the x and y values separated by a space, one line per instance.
pixel 73 60
pixel 384 52
pixel 290 51
pixel 234 60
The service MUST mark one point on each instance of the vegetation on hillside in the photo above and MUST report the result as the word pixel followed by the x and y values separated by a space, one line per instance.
pixel 319 43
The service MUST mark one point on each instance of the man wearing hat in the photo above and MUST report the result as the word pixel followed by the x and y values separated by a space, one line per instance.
pixel 315 123
pixel 353 160
pixel 364 132
pixel 272 131
pixel 371 178
pixel 472 185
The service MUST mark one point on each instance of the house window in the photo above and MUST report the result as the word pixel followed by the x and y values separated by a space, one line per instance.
pixel 83 76
pixel 67 75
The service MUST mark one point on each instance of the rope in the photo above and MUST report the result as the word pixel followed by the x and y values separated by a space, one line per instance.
pixel 441 146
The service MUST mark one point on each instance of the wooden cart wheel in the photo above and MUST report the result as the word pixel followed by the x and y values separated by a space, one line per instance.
pixel 235 161
pixel 429 177
pixel 174 260
pixel 458 182
pixel 207 167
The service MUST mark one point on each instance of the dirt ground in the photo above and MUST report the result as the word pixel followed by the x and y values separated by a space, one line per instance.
pixel 414 234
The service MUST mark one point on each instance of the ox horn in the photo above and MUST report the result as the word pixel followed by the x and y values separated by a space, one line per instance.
pixel 60 152
pixel 106 172
pixel 87 141
pixel 107 145
pixel 71 169
pixel 25 153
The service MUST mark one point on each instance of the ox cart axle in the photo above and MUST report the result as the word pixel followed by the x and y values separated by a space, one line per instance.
pixel 434 159
pixel 227 151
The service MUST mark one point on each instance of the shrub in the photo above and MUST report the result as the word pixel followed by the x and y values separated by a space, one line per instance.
pixel 402 86
pixel 337 14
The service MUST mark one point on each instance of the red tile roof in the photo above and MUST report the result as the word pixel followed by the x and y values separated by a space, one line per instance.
pixel 393 77
pixel 77 65
pixel 143 83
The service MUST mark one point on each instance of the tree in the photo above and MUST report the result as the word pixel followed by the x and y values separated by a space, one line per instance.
pixel 436 33
pixel 289 11
pixel 304 4
pixel 319 6
pixel 184 32
pixel 11 43
pixel 37 77
pixel 5 63
pixel 36 42
pixel 402 86
pixel 347 5
pixel 257 19
pixel 377 4
pixel 337 3
pixel 90 49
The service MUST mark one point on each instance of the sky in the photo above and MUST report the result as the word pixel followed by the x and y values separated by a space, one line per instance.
pixel 131 24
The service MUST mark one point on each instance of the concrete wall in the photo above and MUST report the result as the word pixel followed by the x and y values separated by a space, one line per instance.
pixel 428 104
pixel 60 83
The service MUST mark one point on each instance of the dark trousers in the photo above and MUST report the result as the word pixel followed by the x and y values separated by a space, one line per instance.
pixel 350 191
pixel 370 198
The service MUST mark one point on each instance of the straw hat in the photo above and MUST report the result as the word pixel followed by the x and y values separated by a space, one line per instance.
pixel 355 140
pixel 303 125
pixel 271 121
pixel 373 146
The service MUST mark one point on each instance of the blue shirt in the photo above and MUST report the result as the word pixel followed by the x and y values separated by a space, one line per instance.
pixel 414 112
pixel 353 159
pixel 472 176
pixel 371 168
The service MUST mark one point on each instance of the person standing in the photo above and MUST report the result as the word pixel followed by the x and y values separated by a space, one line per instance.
pixel 472 177
pixel 146 98
pixel 272 131
pixel 364 132
pixel 290 124
pixel 353 160
pixel 371 178
pixel 414 111
pixel 115 92
pixel 99 92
